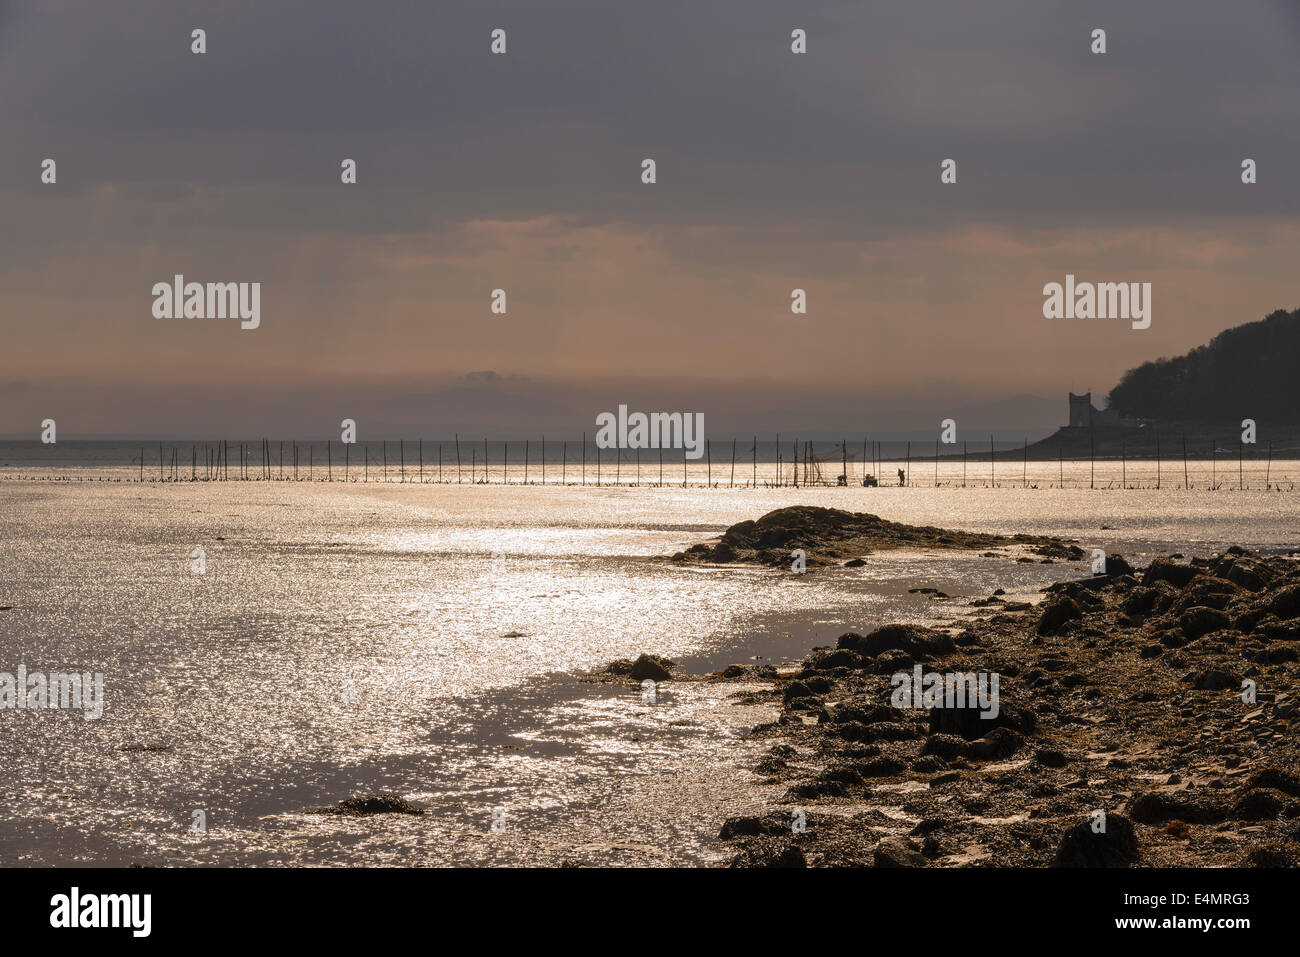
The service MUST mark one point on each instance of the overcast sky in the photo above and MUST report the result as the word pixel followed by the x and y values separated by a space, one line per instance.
pixel 523 172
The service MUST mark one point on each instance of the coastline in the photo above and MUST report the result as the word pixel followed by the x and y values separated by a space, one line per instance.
pixel 1120 707
pixel 186 726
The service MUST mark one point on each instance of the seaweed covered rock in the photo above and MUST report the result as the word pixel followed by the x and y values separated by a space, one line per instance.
pixel 973 722
pixel 896 853
pixel 374 804
pixel 830 536
pixel 916 640
pixel 1084 846
pixel 1058 611
pixel 1168 570
pixel 652 667
pixel 1158 807
pixel 786 855
pixel 1136 697
pixel 1285 603
pixel 1200 620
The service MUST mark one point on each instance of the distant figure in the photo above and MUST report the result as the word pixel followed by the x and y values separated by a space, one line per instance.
pixel 902 479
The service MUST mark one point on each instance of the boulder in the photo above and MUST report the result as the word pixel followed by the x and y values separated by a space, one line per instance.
pixel 1167 570
pixel 1285 602
pixel 896 853
pixel 1060 610
pixel 652 667
pixel 1200 620
pixel 1117 846
pixel 915 640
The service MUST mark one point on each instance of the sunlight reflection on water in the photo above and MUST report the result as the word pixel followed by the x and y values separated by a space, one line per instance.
pixel 350 639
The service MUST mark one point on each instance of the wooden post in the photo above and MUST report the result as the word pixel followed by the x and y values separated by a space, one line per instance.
pixel 1185 485
pixel 584 458
pixel 598 462
pixel 564 461
pixel 457 434
pixel 1092 454
pixel 733 461
pixel 708 458
pixel 1157 458
pixel 993 477
pixel 638 465
pixel 385 460
pixel 754 484
pixel 347 461
pixel 1268 469
pixel 844 454
pixel 1123 461
pixel 936 463
pixel 1241 482
pixel 907 475
pixel 329 459
pixel 421 454
pixel 485 460
pixel 963 463
pixel 1214 463
pixel 526 449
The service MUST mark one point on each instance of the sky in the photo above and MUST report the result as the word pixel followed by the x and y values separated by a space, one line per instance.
pixel 522 172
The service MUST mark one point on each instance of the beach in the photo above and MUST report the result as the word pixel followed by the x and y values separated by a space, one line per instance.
pixel 434 641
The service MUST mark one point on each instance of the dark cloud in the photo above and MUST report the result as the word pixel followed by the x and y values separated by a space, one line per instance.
pixel 774 171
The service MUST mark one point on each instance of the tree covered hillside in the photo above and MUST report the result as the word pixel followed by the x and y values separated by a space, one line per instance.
pixel 1249 370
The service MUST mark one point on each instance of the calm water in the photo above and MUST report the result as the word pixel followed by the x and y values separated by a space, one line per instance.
pixel 425 639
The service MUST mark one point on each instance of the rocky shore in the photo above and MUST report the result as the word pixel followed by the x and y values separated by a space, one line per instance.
pixel 1143 718
pixel 830 536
